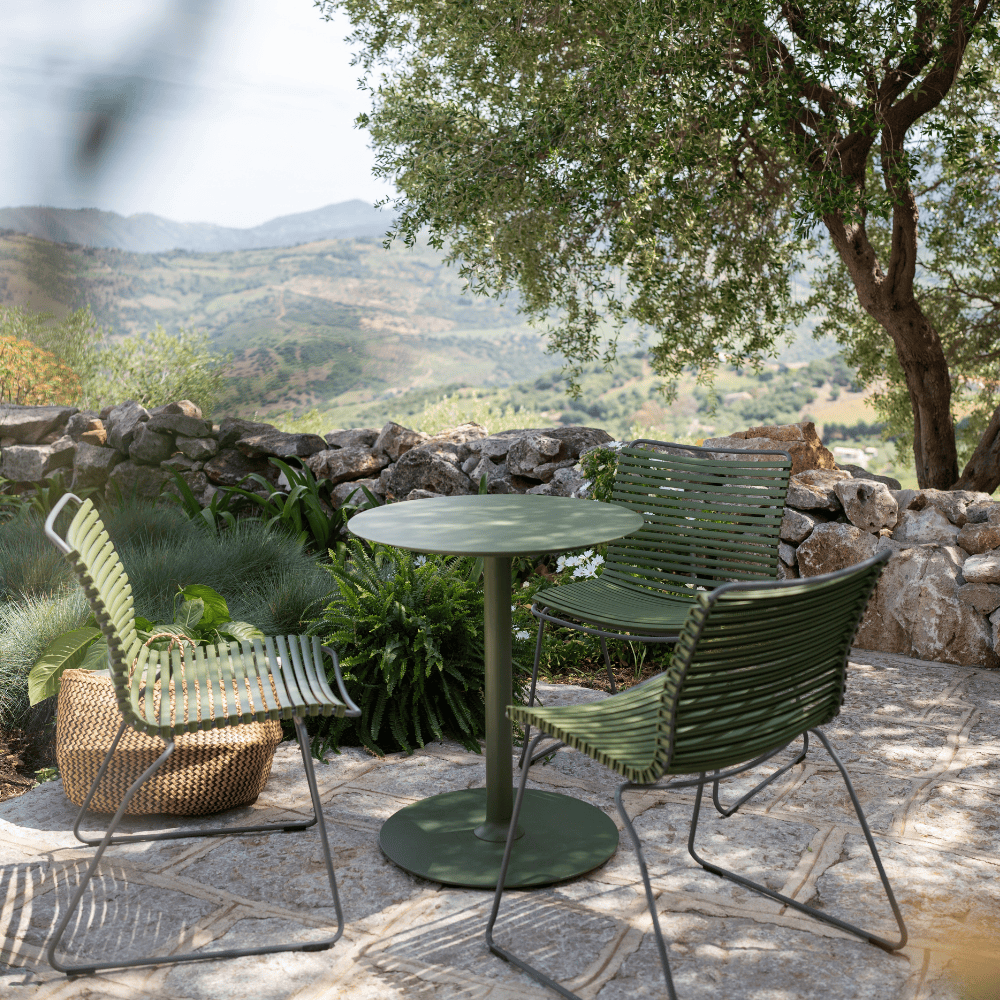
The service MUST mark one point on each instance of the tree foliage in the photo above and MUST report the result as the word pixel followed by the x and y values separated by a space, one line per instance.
pixel 31 376
pixel 155 368
pixel 671 162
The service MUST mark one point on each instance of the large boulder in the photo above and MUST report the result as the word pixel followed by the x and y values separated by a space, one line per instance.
pixel 916 610
pixel 423 470
pixel 183 407
pixel 797 526
pixel 342 464
pixel 196 449
pixel 498 477
pixel 867 504
pixel 179 423
pixel 131 481
pixel 952 503
pixel 816 489
pixel 82 423
pixel 832 546
pixel 61 453
pixel 984 597
pixel 979 537
pixel 92 465
pixel 198 483
pixel 352 492
pixel 150 447
pixel 529 452
pixel 363 437
pixel 231 429
pixel 984 568
pixel 928 526
pixel 800 441
pixel 860 472
pixel 566 482
pixel 29 424
pixel 396 440
pixel 122 422
pixel 576 439
pixel 983 511
pixel 280 445
pixel 230 467
pixel 25 463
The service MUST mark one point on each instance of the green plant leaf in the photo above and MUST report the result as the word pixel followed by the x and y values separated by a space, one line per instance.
pixel 97 656
pixel 190 613
pixel 144 624
pixel 64 653
pixel 216 610
pixel 240 630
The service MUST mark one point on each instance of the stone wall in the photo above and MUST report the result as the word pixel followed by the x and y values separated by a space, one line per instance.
pixel 938 599
pixel 133 450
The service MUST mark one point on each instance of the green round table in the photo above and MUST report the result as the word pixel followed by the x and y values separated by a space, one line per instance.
pixel 457 838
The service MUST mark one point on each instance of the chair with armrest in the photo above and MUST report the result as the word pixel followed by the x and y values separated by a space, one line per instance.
pixel 158 693
pixel 756 665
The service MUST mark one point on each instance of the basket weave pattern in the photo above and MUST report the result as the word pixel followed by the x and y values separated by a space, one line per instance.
pixel 209 770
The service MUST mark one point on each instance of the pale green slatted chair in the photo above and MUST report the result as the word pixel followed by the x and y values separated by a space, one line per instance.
pixel 756 666
pixel 282 677
pixel 708 521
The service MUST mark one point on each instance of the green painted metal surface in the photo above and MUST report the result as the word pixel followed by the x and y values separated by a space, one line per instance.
pixel 495 525
pixel 755 666
pixel 706 521
pixel 214 686
pixel 435 839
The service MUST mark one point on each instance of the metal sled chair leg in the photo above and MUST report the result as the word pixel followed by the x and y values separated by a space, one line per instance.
pixel 874 939
pixel 729 810
pixel 109 838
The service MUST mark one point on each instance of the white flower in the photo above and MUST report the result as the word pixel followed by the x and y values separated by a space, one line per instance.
pixel 522 634
pixel 419 560
pixel 513 607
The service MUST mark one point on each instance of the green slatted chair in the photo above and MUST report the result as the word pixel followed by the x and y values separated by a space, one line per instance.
pixel 708 521
pixel 281 678
pixel 756 665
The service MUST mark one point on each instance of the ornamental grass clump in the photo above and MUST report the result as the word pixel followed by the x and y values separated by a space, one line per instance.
pixel 409 631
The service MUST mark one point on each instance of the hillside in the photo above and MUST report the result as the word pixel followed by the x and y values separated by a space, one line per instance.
pixel 307 324
pixel 146 233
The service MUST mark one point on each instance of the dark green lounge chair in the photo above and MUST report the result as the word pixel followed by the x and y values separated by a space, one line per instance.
pixel 756 665
pixel 709 521
pixel 284 678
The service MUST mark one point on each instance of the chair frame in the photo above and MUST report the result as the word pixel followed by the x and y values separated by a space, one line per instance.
pixel 109 838
pixel 703 779
pixel 604 634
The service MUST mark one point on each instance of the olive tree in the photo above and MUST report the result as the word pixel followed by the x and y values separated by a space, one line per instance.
pixel 672 162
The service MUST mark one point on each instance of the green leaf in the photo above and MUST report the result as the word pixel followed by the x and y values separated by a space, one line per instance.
pixel 190 613
pixel 96 658
pixel 65 652
pixel 240 630
pixel 144 624
pixel 216 609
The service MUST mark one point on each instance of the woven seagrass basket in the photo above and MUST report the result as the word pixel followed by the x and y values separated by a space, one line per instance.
pixel 208 771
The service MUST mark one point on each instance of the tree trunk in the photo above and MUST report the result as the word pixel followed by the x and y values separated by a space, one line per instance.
pixel 888 298
pixel 983 469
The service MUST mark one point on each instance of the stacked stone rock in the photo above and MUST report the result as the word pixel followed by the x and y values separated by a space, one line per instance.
pixel 132 450
pixel 939 597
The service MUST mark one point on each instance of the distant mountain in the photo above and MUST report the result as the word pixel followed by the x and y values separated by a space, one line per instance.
pixel 146 233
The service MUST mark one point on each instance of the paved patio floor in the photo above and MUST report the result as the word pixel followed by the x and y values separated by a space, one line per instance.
pixel 921 740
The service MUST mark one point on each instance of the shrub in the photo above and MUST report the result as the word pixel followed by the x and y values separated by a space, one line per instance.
pixel 409 631
pixel 27 625
pixel 32 376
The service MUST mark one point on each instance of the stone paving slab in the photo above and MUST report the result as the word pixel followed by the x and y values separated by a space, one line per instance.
pixel 921 741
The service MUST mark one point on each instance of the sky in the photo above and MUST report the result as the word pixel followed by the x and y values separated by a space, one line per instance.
pixel 238 111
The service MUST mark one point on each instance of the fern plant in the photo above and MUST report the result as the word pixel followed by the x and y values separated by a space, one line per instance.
pixel 410 635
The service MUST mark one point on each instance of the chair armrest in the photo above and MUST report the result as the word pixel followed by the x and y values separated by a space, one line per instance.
pixel 353 712
pixel 50 522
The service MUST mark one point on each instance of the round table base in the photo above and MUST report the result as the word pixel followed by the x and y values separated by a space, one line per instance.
pixel 563 837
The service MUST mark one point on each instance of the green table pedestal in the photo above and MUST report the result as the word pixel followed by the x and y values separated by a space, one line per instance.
pixel 435 839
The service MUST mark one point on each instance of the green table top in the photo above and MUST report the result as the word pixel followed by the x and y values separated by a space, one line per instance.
pixel 505 524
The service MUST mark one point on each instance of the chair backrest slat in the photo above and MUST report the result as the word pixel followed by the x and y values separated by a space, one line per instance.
pixel 707 520
pixel 757 664
pixel 110 594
